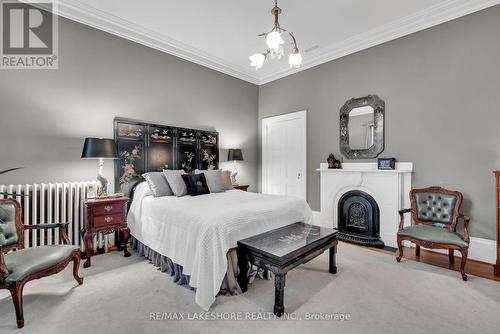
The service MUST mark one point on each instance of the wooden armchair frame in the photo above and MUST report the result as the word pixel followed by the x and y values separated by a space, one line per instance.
pixel 453 227
pixel 16 288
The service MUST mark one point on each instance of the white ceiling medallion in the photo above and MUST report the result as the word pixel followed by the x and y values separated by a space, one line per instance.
pixel 274 41
pixel 79 11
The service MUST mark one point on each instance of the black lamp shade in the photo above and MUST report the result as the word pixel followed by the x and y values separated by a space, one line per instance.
pixel 99 148
pixel 234 154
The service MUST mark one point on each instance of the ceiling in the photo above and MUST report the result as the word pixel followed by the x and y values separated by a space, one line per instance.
pixel 221 34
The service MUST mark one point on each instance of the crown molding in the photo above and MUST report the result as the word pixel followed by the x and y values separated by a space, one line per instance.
pixel 78 11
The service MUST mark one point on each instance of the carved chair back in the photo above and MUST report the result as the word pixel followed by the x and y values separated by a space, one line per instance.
pixel 11 227
pixel 436 206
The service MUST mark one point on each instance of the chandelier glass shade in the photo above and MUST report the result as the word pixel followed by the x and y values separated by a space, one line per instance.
pixel 275 44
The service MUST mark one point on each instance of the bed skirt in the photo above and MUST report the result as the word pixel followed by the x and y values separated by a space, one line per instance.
pixel 229 286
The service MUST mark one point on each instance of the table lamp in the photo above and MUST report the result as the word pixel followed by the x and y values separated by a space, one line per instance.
pixel 100 148
pixel 234 154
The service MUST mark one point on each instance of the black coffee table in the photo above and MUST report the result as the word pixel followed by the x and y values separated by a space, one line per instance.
pixel 283 249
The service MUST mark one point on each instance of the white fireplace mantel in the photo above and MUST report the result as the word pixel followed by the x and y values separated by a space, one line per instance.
pixel 367 167
pixel 389 188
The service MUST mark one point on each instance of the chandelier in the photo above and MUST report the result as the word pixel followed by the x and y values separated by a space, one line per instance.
pixel 274 41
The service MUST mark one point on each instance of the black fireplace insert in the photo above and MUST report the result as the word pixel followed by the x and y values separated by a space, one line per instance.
pixel 359 219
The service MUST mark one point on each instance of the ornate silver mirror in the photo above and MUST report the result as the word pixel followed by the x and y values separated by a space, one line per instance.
pixel 362 127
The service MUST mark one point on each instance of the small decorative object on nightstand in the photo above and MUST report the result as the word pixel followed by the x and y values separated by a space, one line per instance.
pixel 234 154
pixel 243 187
pixel 105 215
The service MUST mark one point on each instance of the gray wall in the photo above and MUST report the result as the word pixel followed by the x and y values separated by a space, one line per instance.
pixel 441 88
pixel 46 114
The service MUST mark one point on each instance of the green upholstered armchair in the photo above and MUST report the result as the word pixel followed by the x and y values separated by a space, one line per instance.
pixel 22 265
pixel 435 212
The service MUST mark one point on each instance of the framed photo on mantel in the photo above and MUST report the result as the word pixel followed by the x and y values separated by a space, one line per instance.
pixel 386 163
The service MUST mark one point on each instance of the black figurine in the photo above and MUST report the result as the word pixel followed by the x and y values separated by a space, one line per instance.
pixel 333 163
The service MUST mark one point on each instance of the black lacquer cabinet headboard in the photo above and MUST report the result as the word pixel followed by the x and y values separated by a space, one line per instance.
pixel 144 147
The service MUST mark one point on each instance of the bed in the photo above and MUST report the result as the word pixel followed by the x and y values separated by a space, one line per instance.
pixel 199 234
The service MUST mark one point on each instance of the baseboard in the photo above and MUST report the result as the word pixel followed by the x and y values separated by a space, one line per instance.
pixel 480 249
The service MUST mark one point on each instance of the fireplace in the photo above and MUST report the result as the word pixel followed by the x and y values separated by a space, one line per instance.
pixel 359 219
pixel 389 189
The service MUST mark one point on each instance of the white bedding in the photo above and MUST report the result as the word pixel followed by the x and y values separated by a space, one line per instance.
pixel 197 232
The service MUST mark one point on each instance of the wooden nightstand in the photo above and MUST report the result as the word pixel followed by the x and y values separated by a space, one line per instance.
pixel 243 187
pixel 105 215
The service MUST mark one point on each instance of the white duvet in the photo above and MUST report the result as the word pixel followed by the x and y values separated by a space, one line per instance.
pixel 197 232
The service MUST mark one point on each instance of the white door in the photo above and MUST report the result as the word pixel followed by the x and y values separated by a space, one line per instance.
pixel 284 155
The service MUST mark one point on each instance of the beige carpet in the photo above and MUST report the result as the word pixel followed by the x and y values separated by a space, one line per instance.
pixel 379 295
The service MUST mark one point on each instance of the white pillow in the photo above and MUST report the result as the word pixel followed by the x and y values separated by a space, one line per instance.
pixel 158 184
pixel 176 182
pixel 226 180
pixel 214 179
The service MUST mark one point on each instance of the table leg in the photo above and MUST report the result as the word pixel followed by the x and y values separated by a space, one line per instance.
pixel 279 294
pixel 243 268
pixel 87 243
pixel 126 237
pixel 118 240
pixel 333 260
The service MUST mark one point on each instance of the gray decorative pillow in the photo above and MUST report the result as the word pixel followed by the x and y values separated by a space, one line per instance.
pixel 176 182
pixel 226 180
pixel 214 179
pixel 158 184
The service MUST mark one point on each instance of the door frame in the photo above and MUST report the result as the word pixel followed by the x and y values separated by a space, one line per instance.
pixel 302 115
